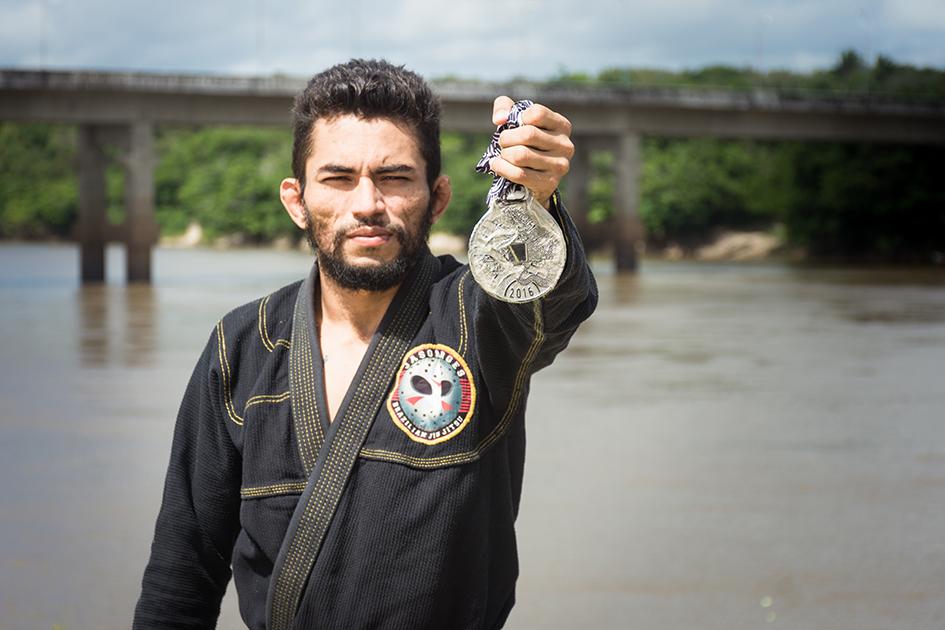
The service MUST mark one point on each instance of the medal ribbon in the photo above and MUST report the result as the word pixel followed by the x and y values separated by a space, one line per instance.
pixel 501 187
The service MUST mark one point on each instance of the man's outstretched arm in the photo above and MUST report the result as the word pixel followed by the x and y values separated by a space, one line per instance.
pixel 536 155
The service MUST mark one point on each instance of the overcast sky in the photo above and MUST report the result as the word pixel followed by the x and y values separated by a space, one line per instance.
pixel 484 39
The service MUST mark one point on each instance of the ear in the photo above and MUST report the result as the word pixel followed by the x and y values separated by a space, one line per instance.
pixel 290 194
pixel 441 193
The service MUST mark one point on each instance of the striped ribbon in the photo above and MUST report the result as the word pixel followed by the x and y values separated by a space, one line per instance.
pixel 501 187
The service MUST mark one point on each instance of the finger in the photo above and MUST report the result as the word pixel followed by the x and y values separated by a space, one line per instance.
pixel 539 139
pixel 527 158
pixel 500 110
pixel 547 119
pixel 541 184
pixel 545 181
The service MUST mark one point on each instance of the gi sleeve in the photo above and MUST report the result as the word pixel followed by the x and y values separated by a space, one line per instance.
pixel 189 567
pixel 526 337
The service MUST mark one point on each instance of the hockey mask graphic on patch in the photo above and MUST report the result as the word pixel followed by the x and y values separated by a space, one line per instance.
pixel 433 398
pixel 430 393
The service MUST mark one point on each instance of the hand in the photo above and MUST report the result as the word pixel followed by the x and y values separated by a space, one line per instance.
pixel 536 154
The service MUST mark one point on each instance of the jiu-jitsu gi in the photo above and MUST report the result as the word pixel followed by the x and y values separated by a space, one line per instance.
pixel 400 512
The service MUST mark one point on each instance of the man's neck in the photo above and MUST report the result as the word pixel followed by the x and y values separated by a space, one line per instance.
pixel 359 311
pixel 345 320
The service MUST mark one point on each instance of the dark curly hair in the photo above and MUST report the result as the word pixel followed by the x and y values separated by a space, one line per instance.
pixel 369 89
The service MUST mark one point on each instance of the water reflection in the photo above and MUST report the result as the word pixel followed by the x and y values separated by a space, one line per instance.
pixel 624 289
pixel 892 312
pixel 93 334
pixel 140 326
pixel 902 276
pixel 117 325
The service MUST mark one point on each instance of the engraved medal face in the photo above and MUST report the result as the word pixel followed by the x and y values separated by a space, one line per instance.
pixel 517 250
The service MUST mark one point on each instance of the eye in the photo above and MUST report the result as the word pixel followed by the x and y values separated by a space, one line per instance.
pixel 446 388
pixel 421 385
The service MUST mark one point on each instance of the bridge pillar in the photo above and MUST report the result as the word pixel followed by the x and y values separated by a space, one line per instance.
pixel 90 228
pixel 139 232
pixel 140 226
pixel 578 185
pixel 628 229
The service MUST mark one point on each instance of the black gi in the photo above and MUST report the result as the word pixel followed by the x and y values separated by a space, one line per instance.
pixel 399 514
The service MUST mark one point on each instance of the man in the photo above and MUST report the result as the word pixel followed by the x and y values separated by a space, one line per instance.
pixel 352 445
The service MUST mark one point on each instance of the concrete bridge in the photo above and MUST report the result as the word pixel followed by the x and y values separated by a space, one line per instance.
pixel 121 110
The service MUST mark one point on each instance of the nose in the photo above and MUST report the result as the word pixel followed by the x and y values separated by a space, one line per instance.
pixel 367 199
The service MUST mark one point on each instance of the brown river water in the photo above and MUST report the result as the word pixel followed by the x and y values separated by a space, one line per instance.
pixel 721 447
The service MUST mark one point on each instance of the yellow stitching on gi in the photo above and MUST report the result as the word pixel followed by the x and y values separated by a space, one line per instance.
pixel 260 317
pixel 557 201
pixel 314 426
pixel 264 327
pixel 311 428
pixel 266 398
pixel 306 435
pixel 225 369
pixel 462 316
pixel 497 432
pixel 273 490
pixel 538 327
pixel 307 424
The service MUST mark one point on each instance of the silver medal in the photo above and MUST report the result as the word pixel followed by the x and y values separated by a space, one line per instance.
pixel 517 250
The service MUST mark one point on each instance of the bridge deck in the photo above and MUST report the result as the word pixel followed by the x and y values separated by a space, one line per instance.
pixel 123 108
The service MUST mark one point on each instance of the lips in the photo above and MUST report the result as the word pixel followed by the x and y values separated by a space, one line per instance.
pixel 369 236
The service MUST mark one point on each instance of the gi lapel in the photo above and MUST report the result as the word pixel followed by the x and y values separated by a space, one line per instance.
pixel 332 462
pixel 302 383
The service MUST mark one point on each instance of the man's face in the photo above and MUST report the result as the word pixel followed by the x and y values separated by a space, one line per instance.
pixel 367 206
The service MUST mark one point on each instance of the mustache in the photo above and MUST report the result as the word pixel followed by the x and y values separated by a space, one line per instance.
pixel 372 221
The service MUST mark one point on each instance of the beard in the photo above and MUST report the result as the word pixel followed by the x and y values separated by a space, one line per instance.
pixel 376 277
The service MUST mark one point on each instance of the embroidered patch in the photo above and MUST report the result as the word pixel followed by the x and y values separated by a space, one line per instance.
pixel 433 398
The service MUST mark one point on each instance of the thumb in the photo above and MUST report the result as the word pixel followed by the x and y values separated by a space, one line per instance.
pixel 500 110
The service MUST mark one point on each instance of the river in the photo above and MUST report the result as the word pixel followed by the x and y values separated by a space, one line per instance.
pixel 722 446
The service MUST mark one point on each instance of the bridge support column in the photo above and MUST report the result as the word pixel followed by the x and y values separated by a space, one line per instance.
pixel 90 228
pixel 628 229
pixel 578 185
pixel 140 225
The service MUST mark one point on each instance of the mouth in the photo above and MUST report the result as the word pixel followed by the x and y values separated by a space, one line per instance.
pixel 369 236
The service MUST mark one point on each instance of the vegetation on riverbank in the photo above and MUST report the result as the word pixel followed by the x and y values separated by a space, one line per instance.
pixel 852 201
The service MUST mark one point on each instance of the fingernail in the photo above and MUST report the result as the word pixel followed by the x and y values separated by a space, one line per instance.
pixel 502 113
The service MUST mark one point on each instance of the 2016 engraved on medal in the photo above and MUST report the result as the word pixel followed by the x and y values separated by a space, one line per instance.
pixel 517 250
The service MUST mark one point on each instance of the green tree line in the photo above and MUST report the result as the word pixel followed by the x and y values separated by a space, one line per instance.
pixel 856 201
pixel 851 74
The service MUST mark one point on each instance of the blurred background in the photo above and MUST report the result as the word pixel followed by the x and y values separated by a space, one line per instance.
pixel 750 432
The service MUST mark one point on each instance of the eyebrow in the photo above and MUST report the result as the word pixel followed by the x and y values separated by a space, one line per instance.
pixel 394 168
pixel 335 168
pixel 381 170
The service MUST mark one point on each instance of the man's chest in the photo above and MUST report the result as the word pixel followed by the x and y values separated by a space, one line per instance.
pixel 340 363
pixel 338 374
